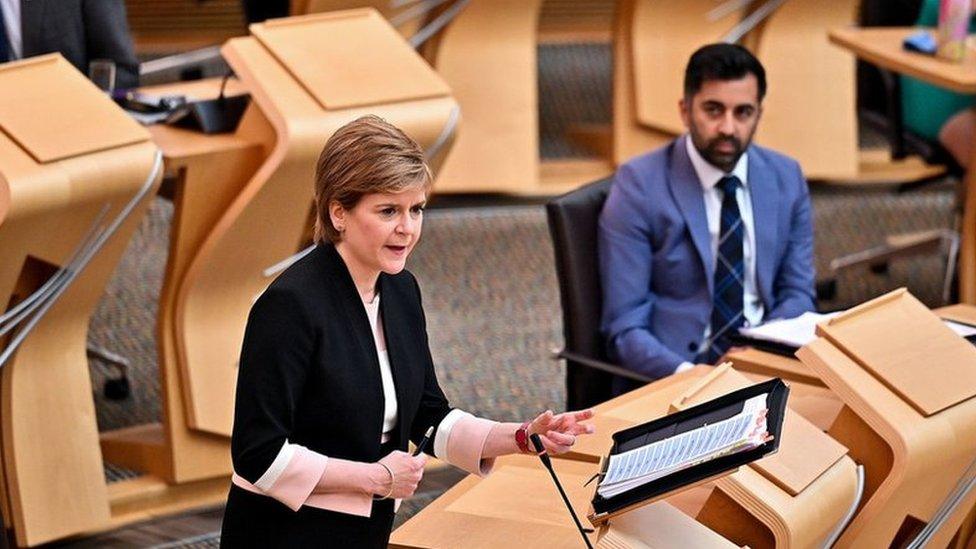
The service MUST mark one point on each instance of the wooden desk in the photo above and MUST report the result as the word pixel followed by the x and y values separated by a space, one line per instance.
pixel 793 498
pixel 71 162
pixel 882 47
pixel 910 417
pixel 209 172
pixel 517 502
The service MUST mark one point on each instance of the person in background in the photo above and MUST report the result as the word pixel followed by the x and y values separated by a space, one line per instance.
pixel 935 113
pixel 335 372
pixel 706 234
pixel 80 30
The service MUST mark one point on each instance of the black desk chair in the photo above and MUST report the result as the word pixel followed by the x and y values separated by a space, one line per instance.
pixel 573 225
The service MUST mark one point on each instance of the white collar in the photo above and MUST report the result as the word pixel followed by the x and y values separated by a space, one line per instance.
pixel 709 175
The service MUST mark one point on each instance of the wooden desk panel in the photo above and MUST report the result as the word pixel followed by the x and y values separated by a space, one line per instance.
pixel 883 48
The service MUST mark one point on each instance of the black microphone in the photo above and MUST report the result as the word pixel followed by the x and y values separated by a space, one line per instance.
pixel 544 456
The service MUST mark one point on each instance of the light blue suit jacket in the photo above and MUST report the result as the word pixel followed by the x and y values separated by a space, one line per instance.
pixel 655 255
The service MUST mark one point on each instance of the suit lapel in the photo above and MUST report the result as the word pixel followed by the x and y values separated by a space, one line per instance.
pixel 687 192
pixel 31 25
pixel 357 318
pixel 762 190
pixel 391 314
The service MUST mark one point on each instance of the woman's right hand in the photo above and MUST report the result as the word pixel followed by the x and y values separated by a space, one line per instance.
pixel 407 472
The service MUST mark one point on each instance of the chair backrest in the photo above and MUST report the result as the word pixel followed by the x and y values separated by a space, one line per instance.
pixel 573 226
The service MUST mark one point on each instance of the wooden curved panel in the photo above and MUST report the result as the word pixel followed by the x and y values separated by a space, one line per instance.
pixel 913 462
pixel 665 34
pixel 52 466
pixel 263 225
pixel 497 149
pixel 810 112
pixel 631 137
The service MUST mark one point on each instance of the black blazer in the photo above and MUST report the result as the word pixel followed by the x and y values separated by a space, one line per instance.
pixel 309 372
pixel 81 30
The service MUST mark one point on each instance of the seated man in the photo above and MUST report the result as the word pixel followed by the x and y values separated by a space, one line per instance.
pixel 707 233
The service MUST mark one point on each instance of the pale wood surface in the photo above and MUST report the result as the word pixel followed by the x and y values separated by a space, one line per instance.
pixel 884 336
pixel 265 221
pixel 756 506
pixel 912 461
pixel 664 35
pixel 52 468
pixel 497 148
pixel 630 136
pixel 761 362
pixel 518 501
pixel 335 78
pixel 883 48
pixel 809 112
pixel 68 131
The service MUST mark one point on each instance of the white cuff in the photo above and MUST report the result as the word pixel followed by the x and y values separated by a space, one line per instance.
pixel 270 477
pixel 684 366
pixel 444 432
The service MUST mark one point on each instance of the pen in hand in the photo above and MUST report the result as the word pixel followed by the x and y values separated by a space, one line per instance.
pixel 424 441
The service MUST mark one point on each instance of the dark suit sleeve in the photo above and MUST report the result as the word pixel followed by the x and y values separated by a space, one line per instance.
pixel 793 288
pixel 275 357
pixel 433 404
pixel 107 37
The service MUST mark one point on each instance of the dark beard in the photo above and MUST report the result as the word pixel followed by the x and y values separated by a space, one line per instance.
pixel 722 161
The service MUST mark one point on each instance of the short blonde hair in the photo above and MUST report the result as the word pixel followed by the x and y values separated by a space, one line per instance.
pixel 368 155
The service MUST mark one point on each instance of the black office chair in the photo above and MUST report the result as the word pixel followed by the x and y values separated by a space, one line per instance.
pixel 573 225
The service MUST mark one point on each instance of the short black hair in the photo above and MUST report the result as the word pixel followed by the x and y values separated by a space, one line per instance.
pixel 722 62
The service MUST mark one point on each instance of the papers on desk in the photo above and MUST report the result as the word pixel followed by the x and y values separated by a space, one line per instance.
pixel 794 332
pixel 741 432
pixel 797 332
pixel 963 330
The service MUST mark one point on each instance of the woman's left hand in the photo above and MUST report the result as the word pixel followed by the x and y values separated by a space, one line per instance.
pixel 559 431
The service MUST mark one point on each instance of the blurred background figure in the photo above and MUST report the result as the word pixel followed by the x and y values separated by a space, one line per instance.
pixel 80 30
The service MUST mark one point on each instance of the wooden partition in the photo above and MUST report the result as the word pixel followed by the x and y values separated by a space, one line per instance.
pixel 908 383
pixel 488 56
pixel 794 498
pixel 810 112
pixel 653 40
pixel 71 163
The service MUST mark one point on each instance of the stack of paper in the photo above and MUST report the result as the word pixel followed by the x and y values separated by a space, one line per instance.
pixel 794 332
pixel 797 332
pixel 744 431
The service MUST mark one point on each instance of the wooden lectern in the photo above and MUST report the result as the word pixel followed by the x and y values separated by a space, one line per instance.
pixel 908 383
pixel 304 85
pixel 518 501
pixel 795 498
pixel 75 171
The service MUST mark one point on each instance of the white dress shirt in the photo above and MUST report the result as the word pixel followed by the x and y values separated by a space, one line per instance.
pixel 11 22
pixel 709 176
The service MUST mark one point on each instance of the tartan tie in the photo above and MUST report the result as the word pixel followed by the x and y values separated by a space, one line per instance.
pixel 4 41
pixel 727 299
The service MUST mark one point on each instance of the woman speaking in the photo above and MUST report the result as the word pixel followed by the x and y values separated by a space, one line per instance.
pixel 336 374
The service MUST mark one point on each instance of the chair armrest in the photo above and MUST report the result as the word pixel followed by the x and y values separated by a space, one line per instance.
pixel 600 365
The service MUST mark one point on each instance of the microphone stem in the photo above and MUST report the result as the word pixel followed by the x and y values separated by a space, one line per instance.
pixel 569 506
